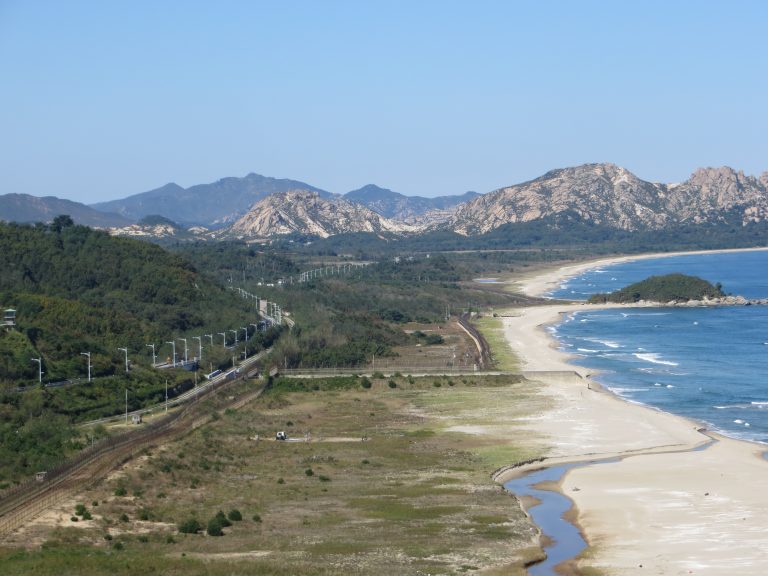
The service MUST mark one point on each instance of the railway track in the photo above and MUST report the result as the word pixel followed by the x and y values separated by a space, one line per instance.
pixel 19 506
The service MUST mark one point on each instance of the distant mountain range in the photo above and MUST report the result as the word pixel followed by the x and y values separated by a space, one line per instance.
pixel 24 208
pixel 258 207
pixel 409 209
pixel 211 205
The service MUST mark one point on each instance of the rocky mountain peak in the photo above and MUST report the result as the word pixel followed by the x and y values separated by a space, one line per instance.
pixel 306 212
pixel 609 195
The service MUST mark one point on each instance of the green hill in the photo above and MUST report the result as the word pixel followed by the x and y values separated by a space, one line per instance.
pixel 667 288
pixel 79 290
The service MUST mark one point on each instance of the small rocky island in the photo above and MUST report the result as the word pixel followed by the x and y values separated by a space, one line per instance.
pixel 674 290
pixel 668 289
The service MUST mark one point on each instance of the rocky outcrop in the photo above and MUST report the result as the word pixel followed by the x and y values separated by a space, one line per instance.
pixel 305 212
pixel 610 195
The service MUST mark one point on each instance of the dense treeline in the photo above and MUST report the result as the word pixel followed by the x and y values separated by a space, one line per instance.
pixel 567 231
pixel 666 288
pixel 78 290
pixel 343 320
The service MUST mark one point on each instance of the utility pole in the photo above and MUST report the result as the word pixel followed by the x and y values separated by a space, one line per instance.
pixel 126 405
pixel 126 358
pixel 88 355
pixel 173 344
pixel 186 357
pixel 39 369
pixel 154 356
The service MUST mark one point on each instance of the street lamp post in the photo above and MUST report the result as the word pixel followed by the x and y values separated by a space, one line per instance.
pixel 173 344
pixel 88 355
pixel 39 369
pixel 223 335
pixel 209 336
pixel 186 357
pixel 126 357
pixel 235 331
pixel 154 356
pixel 199 347
pixel 245 329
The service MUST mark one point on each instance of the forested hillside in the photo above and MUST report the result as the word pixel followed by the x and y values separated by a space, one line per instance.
pixel 76 290
pixel 345 319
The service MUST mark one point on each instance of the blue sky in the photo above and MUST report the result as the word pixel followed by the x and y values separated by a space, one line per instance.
pixel 101 100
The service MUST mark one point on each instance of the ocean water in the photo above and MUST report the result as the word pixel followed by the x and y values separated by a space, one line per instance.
pixel 709 364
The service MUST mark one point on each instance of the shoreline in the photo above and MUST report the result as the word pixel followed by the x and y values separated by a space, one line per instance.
pixel 540 282
pixel 662 500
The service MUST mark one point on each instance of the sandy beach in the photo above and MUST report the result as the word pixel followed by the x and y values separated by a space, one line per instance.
pixel 540 282
pixel 662 508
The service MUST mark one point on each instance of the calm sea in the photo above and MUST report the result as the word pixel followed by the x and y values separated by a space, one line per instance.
pixel 710 364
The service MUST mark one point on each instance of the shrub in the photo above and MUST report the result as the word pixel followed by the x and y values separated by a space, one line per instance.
pixel 324 478
pixel 309 472
pixel 378 375
pixel 108 537
pixel 280 481
pixel 392 384
pixel 144 514
pixel 222 519
pixel 170 540
pixel 256 517
pixel 235 515
pixel 365 383
pixel 191 526
pixel 433 339
pixel 118 546
pixel 80 509
pixel 120 491
pixel 95 503
pixel 436 384
pixel 143 538
pixel 75 519
pixel 87 515
pixel 214 527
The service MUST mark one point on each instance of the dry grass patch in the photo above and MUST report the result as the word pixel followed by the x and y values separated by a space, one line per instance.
pixel 415 496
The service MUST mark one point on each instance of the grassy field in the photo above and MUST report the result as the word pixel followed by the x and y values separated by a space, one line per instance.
pixel 501 353
pixel 391 479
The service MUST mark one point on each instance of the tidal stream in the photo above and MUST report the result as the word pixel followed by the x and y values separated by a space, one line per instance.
pixel 564 540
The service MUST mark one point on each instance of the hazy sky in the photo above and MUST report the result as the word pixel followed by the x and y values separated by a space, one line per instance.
pixel 101 99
